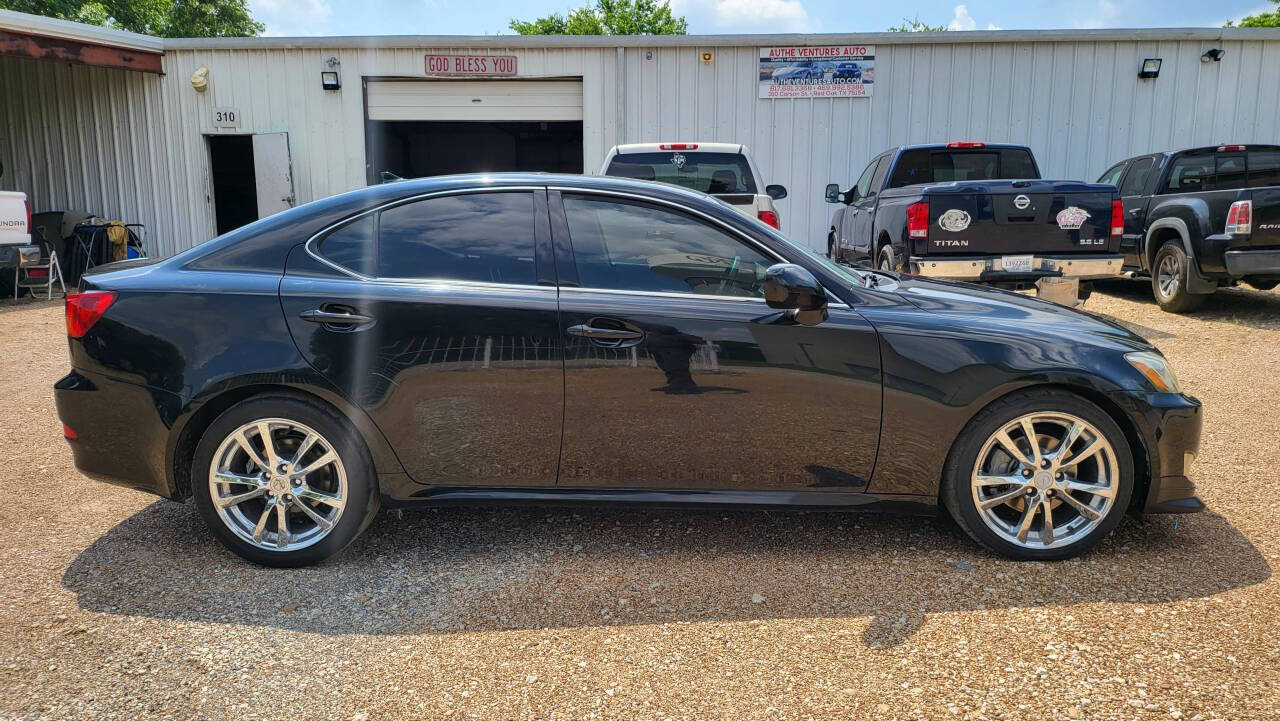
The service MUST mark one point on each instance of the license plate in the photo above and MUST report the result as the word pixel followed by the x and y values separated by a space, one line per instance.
pixel 1016 263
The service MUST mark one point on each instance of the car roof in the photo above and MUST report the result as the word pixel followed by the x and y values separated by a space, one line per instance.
pixel 943 146
pixel 701 147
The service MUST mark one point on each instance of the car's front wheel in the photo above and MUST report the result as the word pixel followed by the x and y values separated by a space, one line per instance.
pixel 283 481
pixel 1039 475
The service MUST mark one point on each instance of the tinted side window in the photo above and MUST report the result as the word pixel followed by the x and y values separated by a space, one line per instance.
pixel 1135 181
pixel 877 180
pixel 1264 168
pixel 619 245
pixel 479 237
pixel 1190 174
pixel 1112 176
pixel 1229 173
pixel 864 182
pixel 353 246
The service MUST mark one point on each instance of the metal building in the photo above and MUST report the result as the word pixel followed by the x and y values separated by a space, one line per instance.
pixel 186 135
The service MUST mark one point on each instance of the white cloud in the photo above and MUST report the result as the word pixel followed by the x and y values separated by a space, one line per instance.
pixel 964 21
pixel 292 17
pixel 1105 13
pixel 765 16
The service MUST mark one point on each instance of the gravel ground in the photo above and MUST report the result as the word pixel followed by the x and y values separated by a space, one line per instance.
pixel 115 605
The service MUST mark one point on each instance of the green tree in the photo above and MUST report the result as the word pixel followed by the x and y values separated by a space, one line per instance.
pixel 915 26
pixel 163 18
pixel 609 17
pixel 1261 20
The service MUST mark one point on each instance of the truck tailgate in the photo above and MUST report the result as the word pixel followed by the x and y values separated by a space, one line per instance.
pixel 1020 216
pixel 1266 218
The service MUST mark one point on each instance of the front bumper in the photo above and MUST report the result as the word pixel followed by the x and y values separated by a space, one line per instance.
pixel 1170 425
pixel 990 269
pixel 1242 263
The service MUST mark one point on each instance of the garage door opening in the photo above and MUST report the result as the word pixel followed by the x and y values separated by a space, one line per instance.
pixel 415 128
pixel 415 149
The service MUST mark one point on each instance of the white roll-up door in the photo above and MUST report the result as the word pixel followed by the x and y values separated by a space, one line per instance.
pixel 482 100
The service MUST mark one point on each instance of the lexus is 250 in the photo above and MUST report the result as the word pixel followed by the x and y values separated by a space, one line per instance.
pixel 547 338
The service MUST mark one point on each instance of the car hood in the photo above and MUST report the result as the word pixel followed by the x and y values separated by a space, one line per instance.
pixel 1015 314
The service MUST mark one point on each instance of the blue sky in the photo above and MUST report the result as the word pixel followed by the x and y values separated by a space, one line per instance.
pixel 488 17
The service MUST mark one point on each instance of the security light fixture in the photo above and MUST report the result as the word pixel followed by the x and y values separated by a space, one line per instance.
pixel 1150 68
pixel 329 79
pixel 1212 55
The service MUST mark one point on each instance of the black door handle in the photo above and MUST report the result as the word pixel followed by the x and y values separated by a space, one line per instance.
pixel 330 317
pixel 587 331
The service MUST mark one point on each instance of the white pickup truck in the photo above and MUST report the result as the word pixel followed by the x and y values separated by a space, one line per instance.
pixel 724 170
pixel 15 231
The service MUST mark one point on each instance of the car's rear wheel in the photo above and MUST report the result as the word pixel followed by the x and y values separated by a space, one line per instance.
pixel 1039 475
pixel 283 481
pixel 1169 280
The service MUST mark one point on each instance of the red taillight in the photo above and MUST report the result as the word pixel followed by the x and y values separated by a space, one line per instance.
pixel 1117 218
pixel 678 146
pixel 1240 218
pixel 84 309
pixel 1229 148
pixel 918 220
pixel 68 433
pixel 770 217
pixel 966 144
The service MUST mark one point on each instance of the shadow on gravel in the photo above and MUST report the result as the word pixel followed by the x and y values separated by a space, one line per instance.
pixel 481 569
pixel 1241 305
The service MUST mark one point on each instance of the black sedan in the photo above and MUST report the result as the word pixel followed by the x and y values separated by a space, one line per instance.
pixel 544 338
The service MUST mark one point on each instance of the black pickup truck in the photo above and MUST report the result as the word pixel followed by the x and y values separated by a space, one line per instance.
pixel 1198 219
pixel 976 212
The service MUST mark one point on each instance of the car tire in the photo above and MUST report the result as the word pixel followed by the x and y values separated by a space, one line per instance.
pixel 1259 284
pixel 325 504
pixel 1070 511
pixel 885 259
pixel 1169 272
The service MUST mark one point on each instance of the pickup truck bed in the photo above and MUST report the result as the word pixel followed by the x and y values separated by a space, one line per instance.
pixel 976 212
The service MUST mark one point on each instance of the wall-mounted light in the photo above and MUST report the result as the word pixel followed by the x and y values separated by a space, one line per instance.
pixel 1150 68
pixel 200 78
pixel 329 79
pixel 708 57
pixel 1212 56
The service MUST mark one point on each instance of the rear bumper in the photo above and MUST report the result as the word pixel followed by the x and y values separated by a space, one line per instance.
pixel 122 430
pixel 1253 262
pixel 990 269
pixel 11 256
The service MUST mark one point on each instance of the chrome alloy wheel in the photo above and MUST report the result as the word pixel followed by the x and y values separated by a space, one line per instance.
pixel 1045 480
pixel 1168 275
pixel 278 484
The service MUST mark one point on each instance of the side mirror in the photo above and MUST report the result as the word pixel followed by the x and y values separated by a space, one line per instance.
pixel 833 193
pixel 777 192
pixel 790 287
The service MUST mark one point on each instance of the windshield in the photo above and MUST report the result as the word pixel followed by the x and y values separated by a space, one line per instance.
pixel 714 173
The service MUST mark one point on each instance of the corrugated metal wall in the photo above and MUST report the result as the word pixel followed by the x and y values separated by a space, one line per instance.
pixel 132 146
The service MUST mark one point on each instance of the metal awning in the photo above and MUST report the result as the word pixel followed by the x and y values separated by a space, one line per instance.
pixel 33 36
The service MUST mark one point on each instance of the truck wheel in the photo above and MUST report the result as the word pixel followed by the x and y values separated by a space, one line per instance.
pixel 1085 290
pixel 1169 280
pixel 885 260
pixel 1261 284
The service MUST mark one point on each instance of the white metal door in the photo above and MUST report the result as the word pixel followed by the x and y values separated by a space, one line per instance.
pixel 272 173
pixel 481 100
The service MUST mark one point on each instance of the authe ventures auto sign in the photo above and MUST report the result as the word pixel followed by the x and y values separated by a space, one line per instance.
pixel 471 65
pixel 826 71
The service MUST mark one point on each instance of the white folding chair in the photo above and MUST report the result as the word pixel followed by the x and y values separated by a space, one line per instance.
pixel 52 271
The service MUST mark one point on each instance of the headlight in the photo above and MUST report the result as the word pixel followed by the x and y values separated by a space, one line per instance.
pixel 1155 369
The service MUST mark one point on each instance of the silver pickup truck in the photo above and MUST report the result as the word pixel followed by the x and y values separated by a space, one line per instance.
pixel 15 231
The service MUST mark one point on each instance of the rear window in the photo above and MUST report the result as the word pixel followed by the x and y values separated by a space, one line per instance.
pixel 1264 168
pixel 715 173
pixel 944 166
